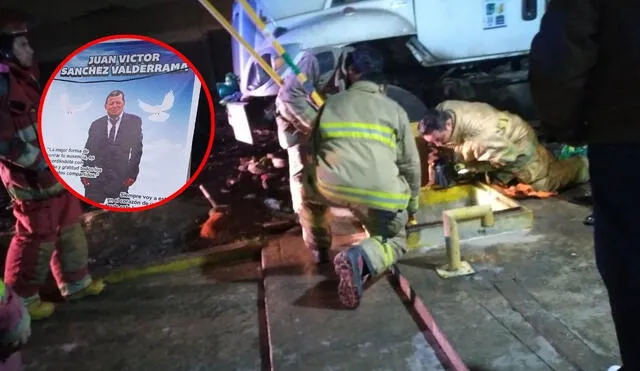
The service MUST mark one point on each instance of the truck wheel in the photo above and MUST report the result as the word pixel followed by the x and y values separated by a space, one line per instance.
pixel 414 107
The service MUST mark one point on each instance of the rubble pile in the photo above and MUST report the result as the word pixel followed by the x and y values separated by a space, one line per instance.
pixel 253 176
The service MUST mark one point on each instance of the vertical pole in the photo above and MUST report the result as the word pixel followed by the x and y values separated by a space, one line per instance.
pixel 452 241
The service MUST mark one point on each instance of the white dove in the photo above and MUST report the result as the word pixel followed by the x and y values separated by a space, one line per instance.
pixel 158 113
pixel 69 109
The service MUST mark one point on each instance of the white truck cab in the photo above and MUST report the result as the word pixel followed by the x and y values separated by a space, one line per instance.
pixel 452 48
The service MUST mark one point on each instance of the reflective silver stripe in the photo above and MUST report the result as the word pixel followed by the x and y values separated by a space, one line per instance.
pixel 29 156
pixel 28 134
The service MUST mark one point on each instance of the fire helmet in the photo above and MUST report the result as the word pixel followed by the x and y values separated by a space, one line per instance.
pixel 8 32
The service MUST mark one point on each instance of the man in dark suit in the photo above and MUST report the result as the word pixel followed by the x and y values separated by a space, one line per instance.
pixel 115 146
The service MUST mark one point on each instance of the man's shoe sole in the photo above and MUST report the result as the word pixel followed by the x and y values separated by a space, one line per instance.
pixel 347 288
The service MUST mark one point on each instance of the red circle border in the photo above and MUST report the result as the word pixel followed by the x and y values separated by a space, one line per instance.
pixel 203 86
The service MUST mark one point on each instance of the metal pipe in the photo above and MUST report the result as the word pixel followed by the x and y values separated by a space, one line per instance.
pixel 450 219
pixel 227 26
pixel 317 99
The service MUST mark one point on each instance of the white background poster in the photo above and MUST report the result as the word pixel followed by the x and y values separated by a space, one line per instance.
pixel 154 134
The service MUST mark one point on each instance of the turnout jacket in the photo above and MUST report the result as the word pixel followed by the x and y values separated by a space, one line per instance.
pixel 23 168
pixel 489 138
pixel 364 152
pixel 295 112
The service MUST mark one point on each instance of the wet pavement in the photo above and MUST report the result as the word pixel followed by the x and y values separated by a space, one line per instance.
pixel 193 320
pixel 535 303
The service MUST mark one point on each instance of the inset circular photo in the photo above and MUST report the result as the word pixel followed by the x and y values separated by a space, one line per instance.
pixel 117 122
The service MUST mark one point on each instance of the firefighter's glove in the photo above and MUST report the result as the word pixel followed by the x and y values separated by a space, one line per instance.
pixel 412 220
pixel 412 209
pixel 443 155
pixel 444 175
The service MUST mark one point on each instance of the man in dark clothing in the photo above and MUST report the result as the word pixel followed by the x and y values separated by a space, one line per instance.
pixel 584 80
pixel 114 145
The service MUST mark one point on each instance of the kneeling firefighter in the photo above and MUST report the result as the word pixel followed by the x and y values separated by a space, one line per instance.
pixel 499 143
pixel 296 114
pixel 363 157
pixel 48 232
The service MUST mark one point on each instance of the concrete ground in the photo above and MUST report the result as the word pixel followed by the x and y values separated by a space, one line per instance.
pixel 535 303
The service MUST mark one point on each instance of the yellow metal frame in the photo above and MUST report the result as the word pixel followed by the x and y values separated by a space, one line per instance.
pixel 317 99
pixel 227 26
pixel 456 266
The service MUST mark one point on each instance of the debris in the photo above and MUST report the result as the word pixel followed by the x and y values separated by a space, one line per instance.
pixel 269 180
pixel 278 224
pixel 589 220
pixel 208 229
pixel 569 151
pixel 522 190
pixel 273 204
pixel 279 163
pixel 259 167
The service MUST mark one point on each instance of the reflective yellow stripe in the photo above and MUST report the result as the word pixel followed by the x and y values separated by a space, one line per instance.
pixel 375 199
pixel 377 132
pixel 404 197
pixel 2 289
pixel 414 203
pixel 388 254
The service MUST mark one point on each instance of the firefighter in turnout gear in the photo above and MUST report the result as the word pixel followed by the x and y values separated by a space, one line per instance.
pixel 500 143
pixel 294 117
pixel 48 233
pixel 365 158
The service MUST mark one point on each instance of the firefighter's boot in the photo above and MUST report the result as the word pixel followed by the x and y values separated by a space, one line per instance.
pixel 95 288
pixel 40 309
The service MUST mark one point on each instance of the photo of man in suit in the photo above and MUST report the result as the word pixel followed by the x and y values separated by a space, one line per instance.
pixel 115 146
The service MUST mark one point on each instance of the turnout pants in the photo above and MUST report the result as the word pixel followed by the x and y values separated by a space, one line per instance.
pixel 387 234
pixel 297 157
pixel 296 144
pixel 48 236
pixel 546 173
pixel 615 206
